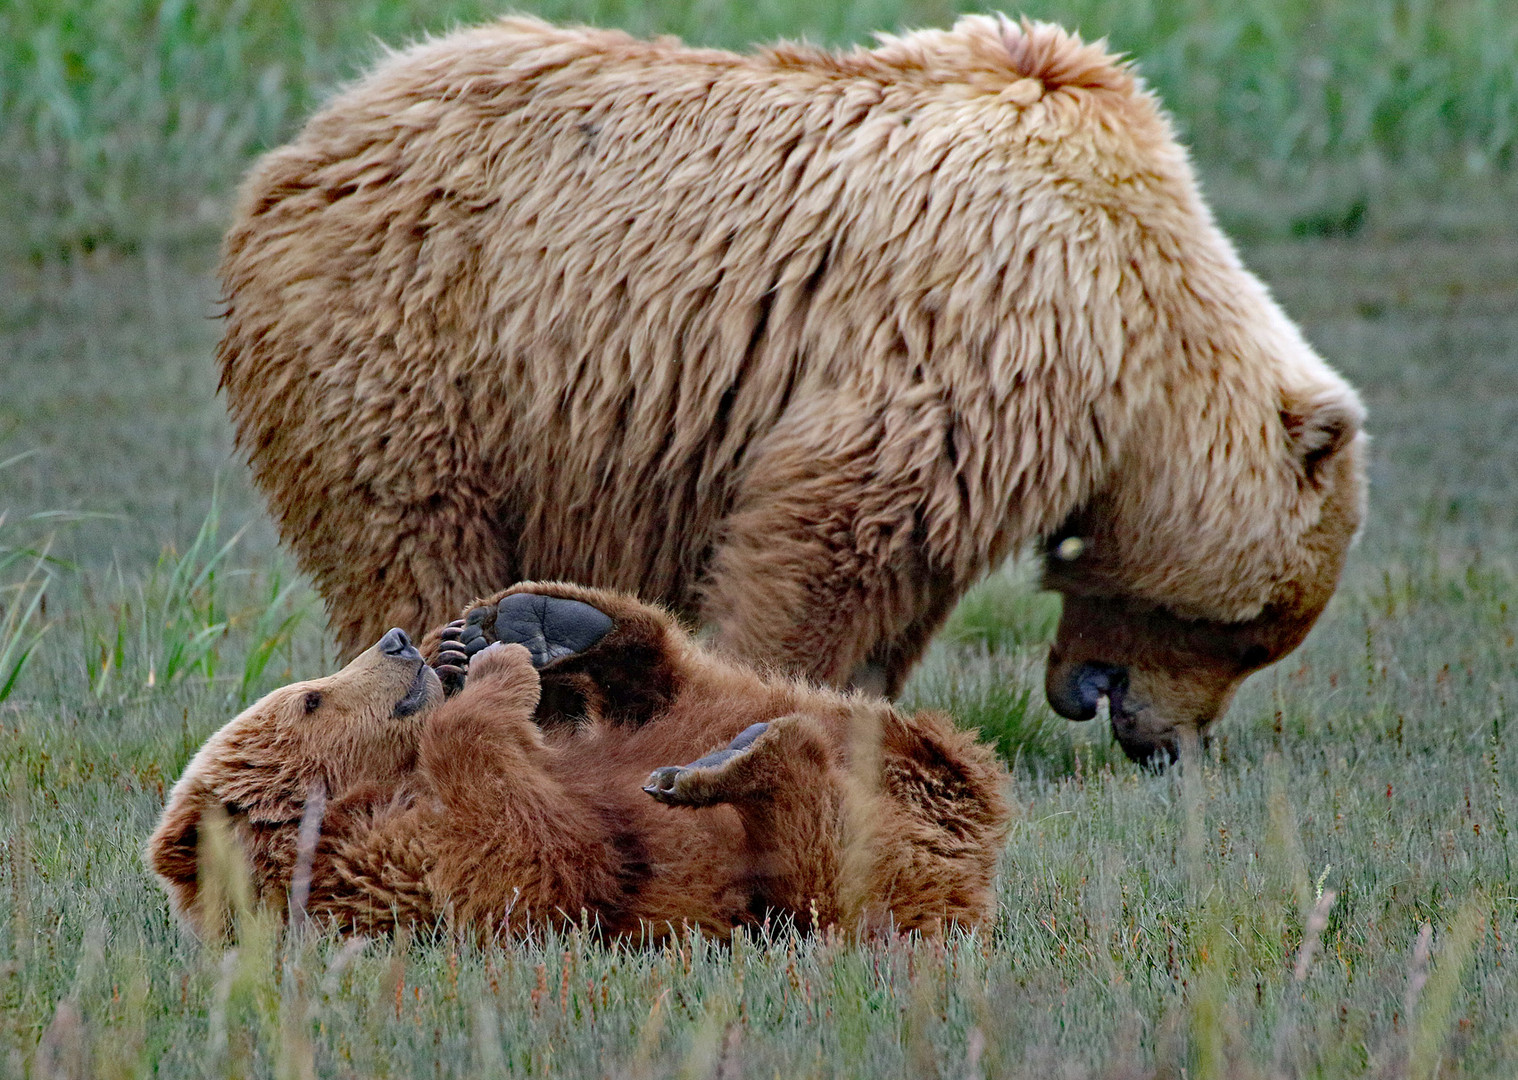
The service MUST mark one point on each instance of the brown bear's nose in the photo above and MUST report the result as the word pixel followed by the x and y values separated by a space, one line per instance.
pixel 396 643
pixel 1076 695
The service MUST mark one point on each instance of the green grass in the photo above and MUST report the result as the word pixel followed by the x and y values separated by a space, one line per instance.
pixel 125 123
pixel 1260 913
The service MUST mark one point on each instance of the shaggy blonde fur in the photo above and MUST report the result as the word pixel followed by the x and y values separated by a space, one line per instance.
pixel 843 811
pixel 798 343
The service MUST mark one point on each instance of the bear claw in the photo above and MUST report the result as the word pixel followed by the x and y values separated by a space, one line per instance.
pixel 452 659
pixel 692 785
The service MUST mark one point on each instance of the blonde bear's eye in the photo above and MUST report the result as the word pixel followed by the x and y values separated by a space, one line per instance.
pixel 1069 549
pixel 313 701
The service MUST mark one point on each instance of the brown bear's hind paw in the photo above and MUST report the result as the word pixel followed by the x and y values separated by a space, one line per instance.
pixel 603 657
pixel 549 627
pixel 700 782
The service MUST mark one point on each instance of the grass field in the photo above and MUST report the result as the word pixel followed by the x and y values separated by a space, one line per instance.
pixel 1329 892
pixel 124 122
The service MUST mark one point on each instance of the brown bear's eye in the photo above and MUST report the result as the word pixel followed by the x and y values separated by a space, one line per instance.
pixel 313 701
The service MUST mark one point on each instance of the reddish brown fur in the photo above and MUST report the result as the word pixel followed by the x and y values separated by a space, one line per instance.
pixel 484 816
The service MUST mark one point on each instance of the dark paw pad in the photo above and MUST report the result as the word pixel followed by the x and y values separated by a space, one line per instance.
pixel 549 626
pixel 692 785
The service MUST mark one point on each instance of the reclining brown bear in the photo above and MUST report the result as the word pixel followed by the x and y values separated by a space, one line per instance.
pixel 546 789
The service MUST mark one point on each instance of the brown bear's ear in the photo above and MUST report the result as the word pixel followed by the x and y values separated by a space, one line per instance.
pixel 1316 429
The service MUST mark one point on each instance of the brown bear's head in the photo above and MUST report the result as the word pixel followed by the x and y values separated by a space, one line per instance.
pixel 356 729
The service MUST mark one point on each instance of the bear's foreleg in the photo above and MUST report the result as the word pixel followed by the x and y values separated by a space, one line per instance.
pixel 825 567
pixel 380 564
pixel 509 842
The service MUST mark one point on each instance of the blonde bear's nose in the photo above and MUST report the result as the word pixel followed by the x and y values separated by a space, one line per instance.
pixel 1076 693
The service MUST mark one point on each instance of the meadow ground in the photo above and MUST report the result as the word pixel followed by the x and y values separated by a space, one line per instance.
pixel 1328 892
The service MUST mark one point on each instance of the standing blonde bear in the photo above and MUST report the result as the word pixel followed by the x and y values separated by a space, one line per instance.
pixel 798 343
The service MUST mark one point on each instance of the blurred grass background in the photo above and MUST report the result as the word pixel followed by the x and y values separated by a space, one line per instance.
pixel 1149 925
pixel 125 122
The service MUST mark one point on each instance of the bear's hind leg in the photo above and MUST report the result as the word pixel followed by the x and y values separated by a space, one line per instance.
pixel 709 779
pixel 781 779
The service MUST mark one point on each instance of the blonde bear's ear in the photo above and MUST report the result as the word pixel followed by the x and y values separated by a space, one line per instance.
pixel 1317 427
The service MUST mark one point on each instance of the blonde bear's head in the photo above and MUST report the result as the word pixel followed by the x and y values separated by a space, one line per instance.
pixel 328 738
pixel 1222 531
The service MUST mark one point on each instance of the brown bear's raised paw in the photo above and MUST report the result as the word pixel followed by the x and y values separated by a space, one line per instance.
pixel 549 627
pixel 700 782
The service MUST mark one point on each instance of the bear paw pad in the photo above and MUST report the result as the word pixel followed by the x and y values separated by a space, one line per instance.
pixel 549 627
pixel 701 782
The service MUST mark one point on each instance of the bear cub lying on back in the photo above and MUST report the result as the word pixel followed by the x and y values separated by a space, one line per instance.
pixel 546 786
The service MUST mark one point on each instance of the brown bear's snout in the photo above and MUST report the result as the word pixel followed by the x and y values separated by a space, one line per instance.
pixel 397 644
pixel 1076 690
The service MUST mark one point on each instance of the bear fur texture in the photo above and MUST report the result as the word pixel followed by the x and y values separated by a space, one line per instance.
pixel 797 343
pixel 551 788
